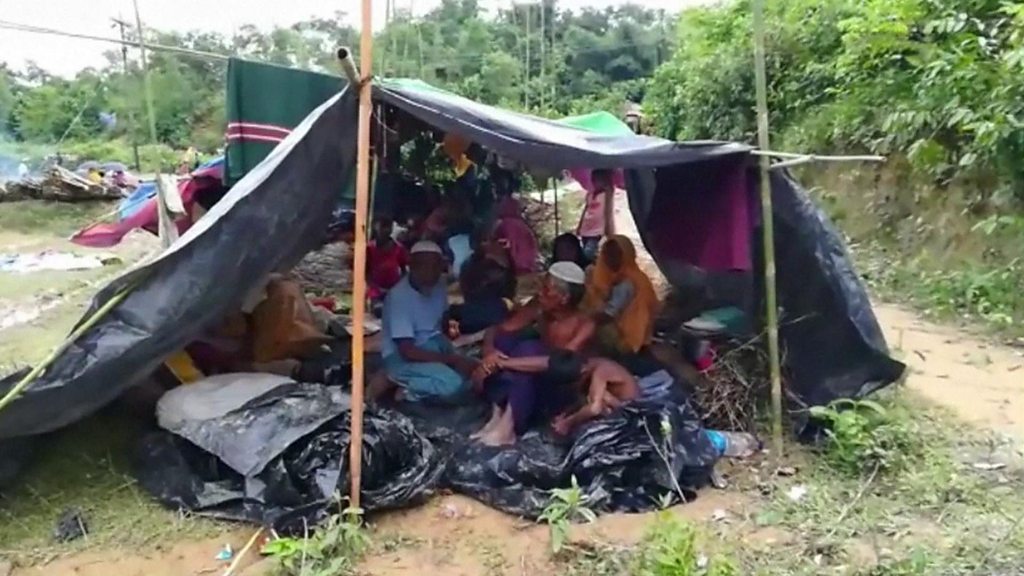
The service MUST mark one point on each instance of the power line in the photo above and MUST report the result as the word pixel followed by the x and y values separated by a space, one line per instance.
pixel 4 24
pixel 454 59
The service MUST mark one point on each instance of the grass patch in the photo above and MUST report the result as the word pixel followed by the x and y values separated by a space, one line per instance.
pixel 87 466
pixel 28 343
pixel 933 514
pixel 41 218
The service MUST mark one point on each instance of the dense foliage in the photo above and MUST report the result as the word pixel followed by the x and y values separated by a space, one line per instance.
pixel 939 81
pixel 534 57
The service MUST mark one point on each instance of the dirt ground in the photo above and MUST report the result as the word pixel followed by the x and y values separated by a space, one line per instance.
pixel 452 535
pixel 982 382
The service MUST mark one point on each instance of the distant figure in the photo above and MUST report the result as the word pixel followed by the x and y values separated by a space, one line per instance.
pixel 22 170
pixel 386 259
pixel 488 285
pixel 596 220
pixel 513 231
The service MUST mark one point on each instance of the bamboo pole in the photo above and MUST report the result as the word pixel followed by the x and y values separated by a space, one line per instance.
pixel 165 225
pixel 554 182
pixel 359 265
pixel 768 225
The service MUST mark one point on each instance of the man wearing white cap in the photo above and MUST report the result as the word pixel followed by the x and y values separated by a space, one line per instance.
pixel 418 357
pixel 513 363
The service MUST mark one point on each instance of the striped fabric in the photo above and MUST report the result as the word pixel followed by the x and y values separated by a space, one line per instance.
pixel 264 103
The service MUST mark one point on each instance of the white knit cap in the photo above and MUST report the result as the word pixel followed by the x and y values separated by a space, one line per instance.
pixel 568 272
pixel 426 246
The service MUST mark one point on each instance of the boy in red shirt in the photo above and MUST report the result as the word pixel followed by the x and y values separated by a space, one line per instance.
pixel 386 260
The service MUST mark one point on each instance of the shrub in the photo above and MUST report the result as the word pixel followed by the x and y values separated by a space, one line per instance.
pixel 863 436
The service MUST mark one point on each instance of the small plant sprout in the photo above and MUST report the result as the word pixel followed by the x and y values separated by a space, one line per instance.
pixel 567 505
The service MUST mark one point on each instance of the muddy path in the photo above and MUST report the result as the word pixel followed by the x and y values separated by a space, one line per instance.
pixel 981 381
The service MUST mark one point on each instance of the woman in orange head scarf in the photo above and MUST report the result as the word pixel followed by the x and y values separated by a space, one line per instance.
pixel 621 295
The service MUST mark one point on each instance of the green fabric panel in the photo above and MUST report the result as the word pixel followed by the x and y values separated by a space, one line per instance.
pixel 598 122
pixel 268 95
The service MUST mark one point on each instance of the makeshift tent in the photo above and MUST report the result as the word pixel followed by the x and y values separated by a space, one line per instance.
pixel 275 214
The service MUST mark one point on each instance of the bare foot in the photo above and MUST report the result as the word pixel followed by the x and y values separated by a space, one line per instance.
pixel 500 439
pixel 489 426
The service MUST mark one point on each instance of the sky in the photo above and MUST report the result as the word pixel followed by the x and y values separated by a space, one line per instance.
pixel 66 56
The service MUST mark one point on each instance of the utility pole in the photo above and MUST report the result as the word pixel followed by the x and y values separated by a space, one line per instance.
pixel 543 58
pixel 121 24
pixel 527 67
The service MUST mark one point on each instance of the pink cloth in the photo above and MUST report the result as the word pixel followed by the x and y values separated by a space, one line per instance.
pixel 522 243
pixel 105 235
pixel 701 215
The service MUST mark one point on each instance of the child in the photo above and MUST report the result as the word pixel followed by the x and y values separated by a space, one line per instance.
pixel 596 220
pixel 386 260
pixel 609 385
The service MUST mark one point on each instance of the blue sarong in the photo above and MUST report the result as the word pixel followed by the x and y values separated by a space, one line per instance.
pixel 427 380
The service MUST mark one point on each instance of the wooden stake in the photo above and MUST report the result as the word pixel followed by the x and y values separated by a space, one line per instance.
pixel 168 233
pixel 359 265
pixel 771 306
pixel 554 182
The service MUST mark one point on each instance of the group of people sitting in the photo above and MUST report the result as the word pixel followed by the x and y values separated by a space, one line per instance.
pixel 560 355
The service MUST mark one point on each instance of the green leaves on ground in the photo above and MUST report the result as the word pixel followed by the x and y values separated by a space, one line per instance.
pixel 333 549
pixel 863 437
pixel 567 505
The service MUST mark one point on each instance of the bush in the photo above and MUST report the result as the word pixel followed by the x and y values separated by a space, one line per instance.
pixel 949 75
pixel 151 156
pixel 863 436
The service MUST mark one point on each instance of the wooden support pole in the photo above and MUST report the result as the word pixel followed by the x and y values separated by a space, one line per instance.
pixel 771 306
pixel 558 224
pixel 359 265
pixel 166 229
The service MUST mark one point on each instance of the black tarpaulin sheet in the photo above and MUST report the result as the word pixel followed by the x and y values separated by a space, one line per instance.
pixel 283 458
pixel 833 345
pixel 539 142
pixel 265 223
pixel 630 461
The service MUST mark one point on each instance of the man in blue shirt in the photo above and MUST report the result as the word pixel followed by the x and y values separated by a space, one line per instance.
pixel 418 357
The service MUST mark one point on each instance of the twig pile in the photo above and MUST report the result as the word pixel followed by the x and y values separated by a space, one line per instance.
pixel 732 393
pixel 58 185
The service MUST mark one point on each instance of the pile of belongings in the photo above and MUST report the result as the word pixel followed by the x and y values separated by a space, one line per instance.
pixel 60 185
pixel 265 449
